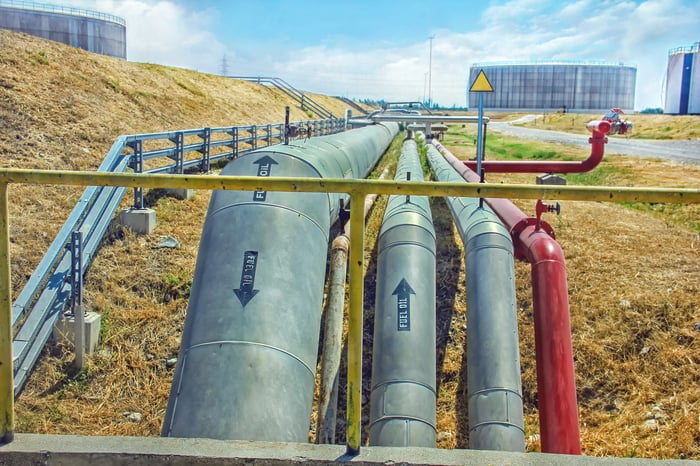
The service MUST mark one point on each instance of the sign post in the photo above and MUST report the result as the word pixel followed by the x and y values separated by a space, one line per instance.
pixel 481 84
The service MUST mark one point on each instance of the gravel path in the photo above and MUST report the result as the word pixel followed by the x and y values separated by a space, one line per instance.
pixel 687 151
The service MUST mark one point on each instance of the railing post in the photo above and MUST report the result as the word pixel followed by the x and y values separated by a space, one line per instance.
pixel 136 164
pixel 7 396
pixel 353 410
pixel 254 135
pixel 179 141
pixel 234 142
pixel 76 296
pixel 269 135
pixel 205 166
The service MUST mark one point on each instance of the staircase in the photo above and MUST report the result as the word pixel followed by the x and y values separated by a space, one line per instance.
pixel 305 101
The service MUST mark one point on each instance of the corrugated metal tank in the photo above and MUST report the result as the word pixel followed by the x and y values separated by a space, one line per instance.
pixel 574 86
pixel 86 29
pixel 683 81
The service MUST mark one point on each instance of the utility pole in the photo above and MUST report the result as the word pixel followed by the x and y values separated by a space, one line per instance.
pixel 430 73
pixel 224 65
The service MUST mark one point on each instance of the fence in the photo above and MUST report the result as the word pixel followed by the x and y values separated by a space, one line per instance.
pixel 357 189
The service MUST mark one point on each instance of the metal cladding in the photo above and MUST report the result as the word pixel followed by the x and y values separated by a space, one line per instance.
pixel 560 85
pixel 248 354
pixel 683 81
pixel 403 398
pixel 86 29
pixel 493 357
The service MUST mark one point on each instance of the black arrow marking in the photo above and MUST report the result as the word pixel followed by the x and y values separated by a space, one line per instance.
pixel 403 294
pixel 246 290
pixel 264 164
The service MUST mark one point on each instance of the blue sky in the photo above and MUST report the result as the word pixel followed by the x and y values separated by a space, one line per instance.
pixel 381 48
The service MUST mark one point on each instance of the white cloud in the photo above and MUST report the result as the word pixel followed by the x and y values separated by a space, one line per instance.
pixel 166 33
pixel 640 33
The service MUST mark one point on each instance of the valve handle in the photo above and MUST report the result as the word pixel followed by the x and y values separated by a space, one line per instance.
pixel 541 208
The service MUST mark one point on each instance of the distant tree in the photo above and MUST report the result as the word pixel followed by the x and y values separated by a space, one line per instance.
pixel 656 110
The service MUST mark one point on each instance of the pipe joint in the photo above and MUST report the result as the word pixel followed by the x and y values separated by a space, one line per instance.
pixel 537 224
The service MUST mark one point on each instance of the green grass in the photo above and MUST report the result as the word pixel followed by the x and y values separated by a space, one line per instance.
pixel 608 173
pixel 678 214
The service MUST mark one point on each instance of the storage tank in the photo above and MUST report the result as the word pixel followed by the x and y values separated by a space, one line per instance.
pixel 577 86
pixel 683 81
pixel 86 29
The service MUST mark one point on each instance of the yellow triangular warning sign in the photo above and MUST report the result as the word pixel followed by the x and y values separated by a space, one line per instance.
pixel 481 83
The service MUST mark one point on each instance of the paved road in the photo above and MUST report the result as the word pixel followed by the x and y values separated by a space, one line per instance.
pixel 678 151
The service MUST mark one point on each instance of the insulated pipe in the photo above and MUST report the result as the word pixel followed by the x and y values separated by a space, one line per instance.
pixel 556 382
pixel 333 330
pixel 598 128
pixel 493 357
pixel 404 393
pixel 248 355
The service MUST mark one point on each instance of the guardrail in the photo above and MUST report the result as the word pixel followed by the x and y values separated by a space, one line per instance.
pixel 357 189
pixel 47 292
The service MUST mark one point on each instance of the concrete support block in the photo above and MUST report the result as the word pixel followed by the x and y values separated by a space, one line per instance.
pixel 180 193
pixel 551 179
pixel 65 328
pixel 141 221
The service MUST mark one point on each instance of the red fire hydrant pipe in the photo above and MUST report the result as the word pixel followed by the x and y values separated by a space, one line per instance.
pixel 597 141
pixel 556 383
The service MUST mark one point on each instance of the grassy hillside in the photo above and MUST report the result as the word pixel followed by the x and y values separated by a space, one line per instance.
pixel 633 271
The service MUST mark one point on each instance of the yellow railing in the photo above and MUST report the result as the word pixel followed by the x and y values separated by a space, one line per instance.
pixel 357 189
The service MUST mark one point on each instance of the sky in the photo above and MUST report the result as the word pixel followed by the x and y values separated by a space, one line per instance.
pixel 382 49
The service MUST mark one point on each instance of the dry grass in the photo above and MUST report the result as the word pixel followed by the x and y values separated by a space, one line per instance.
pixel 633 275
pixel 645 126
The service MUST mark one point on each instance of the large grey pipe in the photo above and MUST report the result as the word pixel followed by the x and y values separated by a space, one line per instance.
pixel 402 401
pixel 493 357
pixel 248 354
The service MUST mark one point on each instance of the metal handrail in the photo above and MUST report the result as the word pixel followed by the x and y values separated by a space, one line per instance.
pixel 291 91
pixel 358 190
pixel 65 10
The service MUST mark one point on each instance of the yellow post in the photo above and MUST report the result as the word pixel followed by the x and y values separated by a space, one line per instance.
pixel 7 396
pixel 353 410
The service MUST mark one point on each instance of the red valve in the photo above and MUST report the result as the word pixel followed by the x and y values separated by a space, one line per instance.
pixel 541 208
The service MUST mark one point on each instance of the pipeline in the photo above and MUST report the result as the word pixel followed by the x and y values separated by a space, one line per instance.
pixel 597 141
pixel 248 355
pixel 333 329
pixel 493 356
pixel 534 242
pixel 403 394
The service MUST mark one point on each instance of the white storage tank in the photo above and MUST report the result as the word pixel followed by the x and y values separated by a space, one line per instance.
pixel 577 86
pixel 683 81
pixel 86 29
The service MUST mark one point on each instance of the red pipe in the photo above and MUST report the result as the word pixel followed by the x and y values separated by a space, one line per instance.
pixel 534 242
pixel 597 141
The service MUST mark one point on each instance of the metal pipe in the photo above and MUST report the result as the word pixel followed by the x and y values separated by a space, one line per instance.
pixel 7 396
pixel 400 117
pixel 353 409
pixel 353 186
pixel 332 341
pixel 333 329
pixel 556 382
pixel 598 140
pixel 493 357
pixel 247 362
pixel 404 392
